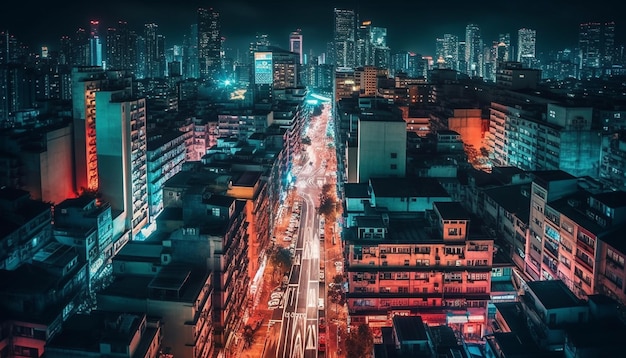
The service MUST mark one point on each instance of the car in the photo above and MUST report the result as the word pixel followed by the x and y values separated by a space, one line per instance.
pixel 276 295
pixel 322 275
pixel 273 302
pixel 320 304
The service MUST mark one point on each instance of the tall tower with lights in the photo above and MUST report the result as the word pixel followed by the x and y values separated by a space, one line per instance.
pixel 526 47
pixel 473 51
pixel 209 44
pixel 295 44
pixel 596 42
pixel 344 38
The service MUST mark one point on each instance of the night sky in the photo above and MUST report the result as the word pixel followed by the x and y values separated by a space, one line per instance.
pixel 412 25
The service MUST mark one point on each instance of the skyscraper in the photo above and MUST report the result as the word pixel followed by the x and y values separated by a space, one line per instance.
pixel 121 48
pixel 363 45
pixel 154 52
pixel 447 48
pixel 295 44
pixel 504 47
pixel 473 51
pixel 597 47
pixel 344 39
pixel 190 55
pixel 526 47
pixel 380 50
pixel 95 44
pixel 209 43
pixel 121 150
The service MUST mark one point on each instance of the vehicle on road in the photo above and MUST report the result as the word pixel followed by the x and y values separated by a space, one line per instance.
pixel 320 304
pixel 321 275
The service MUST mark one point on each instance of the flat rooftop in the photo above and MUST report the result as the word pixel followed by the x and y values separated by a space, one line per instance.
pixel 554 294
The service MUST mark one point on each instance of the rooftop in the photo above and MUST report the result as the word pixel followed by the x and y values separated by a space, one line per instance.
pixel 511 199
pixel 27 279
pixel 156 140
pixel 409 328
pixel 85 332
pixel 615 238
pixel 451 210
pixel 219 200
pixel 247 178
pixel 407 187
pixel 356 190
pixel 607 336
pixel 140 251
pixel 554 294
pixel 545 176
pixel 612 199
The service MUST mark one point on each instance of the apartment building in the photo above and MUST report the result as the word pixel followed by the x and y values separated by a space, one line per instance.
pixel 572 230
pixel 101 333
pixel 544 137
pixel 165 153
pixel 86 224
pixel 436 266
pixel 37 297
pixel 150 281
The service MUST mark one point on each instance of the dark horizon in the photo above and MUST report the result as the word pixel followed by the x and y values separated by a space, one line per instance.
pixel 410 26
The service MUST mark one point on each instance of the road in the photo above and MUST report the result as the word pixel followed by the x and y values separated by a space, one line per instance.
pixel 293 331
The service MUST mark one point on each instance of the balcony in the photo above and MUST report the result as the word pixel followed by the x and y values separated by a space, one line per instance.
pixel 614 264
pixel 585 245
pixel 584 263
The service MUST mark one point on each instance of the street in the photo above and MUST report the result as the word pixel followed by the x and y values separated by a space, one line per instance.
pixel 293 329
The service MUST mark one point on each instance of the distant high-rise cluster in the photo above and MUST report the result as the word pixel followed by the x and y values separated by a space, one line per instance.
pixel 597 47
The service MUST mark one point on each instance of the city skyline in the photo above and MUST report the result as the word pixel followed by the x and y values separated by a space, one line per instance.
pixel 408 28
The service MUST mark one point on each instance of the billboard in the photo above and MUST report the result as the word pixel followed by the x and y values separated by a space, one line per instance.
pixel 263 69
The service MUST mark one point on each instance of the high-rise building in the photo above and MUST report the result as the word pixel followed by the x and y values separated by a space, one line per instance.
pixel 447 51
pixel 95 44
pixel 473 51
pixel 526 47
pixel 190 54
pixel 121 48
pixel 461 52
pixel 380 50
pixel 209 44
pixel 295 44
pixel 80 50
pixel 121 150
pixel 274 68
pixel 363 44
pixel 85 83
pixel 381 146
pixel 154 52
pixel 596 42
pixel 504 47
pixel 344 38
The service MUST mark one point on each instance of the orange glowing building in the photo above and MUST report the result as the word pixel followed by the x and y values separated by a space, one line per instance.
pixel 433 265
